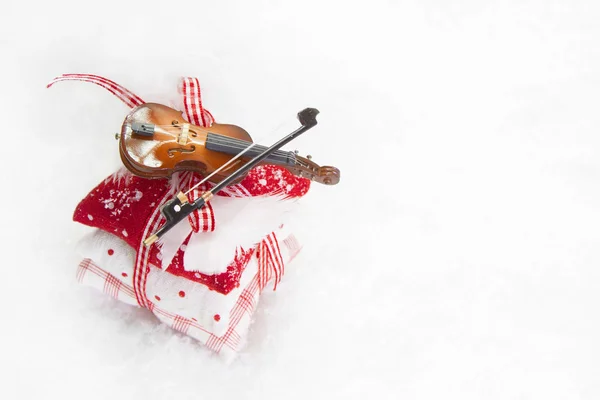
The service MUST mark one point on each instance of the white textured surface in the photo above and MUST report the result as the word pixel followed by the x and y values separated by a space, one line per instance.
pixel 458 258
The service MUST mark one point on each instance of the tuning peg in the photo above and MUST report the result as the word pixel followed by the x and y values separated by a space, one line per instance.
pixel 117 136
pixel 296 152
pixel 309 157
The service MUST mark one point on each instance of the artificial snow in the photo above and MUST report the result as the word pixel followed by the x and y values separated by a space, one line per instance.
pixel 456 259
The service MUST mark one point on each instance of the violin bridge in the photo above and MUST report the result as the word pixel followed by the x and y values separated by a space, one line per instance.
pixel 184 135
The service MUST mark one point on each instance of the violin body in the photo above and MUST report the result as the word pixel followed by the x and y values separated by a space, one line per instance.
pixel 156 141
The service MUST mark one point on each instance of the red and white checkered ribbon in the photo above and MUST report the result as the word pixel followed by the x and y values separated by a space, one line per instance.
pixel 192 102
pixel 271 264
pixel 128 97
pixel 203 219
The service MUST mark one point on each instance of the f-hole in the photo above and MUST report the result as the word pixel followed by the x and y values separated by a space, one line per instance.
pixel 181 150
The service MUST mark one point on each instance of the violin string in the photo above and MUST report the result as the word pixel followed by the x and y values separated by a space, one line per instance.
pixel 205 136
pixel 227 163
pixel 166 132
pixel 236 144
pixel 220 168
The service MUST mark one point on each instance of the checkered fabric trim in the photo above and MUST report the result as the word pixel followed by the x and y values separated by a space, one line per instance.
pixel 243 309
pixel 293 246
pixel 93 275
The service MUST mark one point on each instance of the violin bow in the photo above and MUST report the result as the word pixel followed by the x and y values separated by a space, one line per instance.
pixel 180 207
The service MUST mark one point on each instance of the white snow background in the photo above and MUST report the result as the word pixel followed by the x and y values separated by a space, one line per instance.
pixel 458 257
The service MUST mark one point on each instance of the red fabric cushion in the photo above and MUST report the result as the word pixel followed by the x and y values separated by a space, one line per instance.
pixel 122 206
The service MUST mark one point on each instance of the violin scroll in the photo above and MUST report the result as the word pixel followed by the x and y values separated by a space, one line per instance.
pixel 308 169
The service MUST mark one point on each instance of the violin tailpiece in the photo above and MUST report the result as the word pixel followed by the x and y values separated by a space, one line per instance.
pixel 143 129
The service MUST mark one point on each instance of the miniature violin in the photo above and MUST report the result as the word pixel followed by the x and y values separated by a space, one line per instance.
pixel 156 141
pixel 181 206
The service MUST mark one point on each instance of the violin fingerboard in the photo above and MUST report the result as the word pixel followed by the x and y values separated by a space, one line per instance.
pixel 223 144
